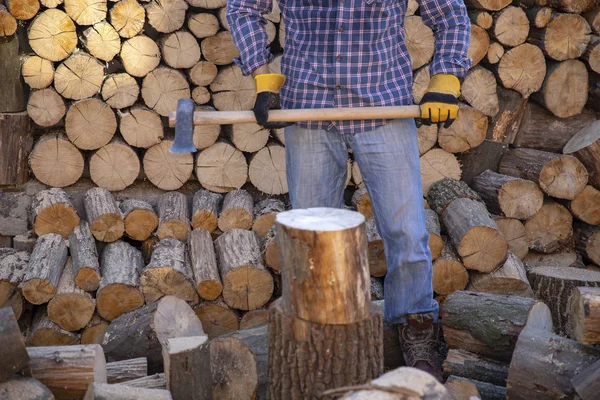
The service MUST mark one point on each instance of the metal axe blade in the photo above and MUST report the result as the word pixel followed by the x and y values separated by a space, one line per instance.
pixel 184 128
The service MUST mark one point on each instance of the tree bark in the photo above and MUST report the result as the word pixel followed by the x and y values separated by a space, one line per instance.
pixel 445 191
pixel 173 216
pixel 549 229
pixel 22 388
pixel 204 264
pixel 86 268
pixel 237 211
pixel 15 147
pixel 462 363
pixel 12 98
pixel 587 241
pixel 585 145
pixel 586 382
pixel 585 315
pixel 565 88
pixel 477 160
pixel 103 215
pixel 15 356
pixel 126 370
pixel 54 152
pixel 449 274
pixel 156 381
pixel 205 209
pixel 432 224
pixel 166 170
pixel 13 265
pixel 24 242
pixel 184 359
pixel 217 318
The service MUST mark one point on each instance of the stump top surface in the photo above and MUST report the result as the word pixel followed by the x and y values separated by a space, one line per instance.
pixel 320 219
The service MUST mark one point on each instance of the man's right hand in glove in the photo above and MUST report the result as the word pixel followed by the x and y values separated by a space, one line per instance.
pixel 267 98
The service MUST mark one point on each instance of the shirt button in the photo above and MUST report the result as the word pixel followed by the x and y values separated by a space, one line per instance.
pixel 339 57
pixel 341 29
pixel 338 87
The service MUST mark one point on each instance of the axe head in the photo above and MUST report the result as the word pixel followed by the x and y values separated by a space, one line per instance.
pixel 184 127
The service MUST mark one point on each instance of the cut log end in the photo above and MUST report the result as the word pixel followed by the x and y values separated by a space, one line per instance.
pixel 38 291
pixel 60 218
pixel 164 281
pixel 116 299
pixel 247 288
pixel 217 319
pixel 108 227
pixel 139 224
pixel 173 229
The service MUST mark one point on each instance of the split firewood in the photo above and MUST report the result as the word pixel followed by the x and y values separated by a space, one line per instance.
pixel 585 315
pixel 46 265
pixel 141 127
pixel 102 41
pixel 362 201
pixel 254 318
pixel 120 90
pixel 166 170
pixel 173 216
pixel 249 138
pixel 103 215
pixel 540 129
pixel 71 308
pixel 375 252
pixel 550 228
pixel 219 48
pixel 555 286
pixel 46 107
pixel 445 191
pixel 467 131
pixel 512 197
pixel 46 333
pixel 180 49
pixel 523 69
pixel 8 23
pixel 102 391
pixel 140 56
pixel 585 145
pixel 539 17
pixel 166 16
pixel 247 285
pixel 483 19
pixel 587 241
pixel 53 212
pixel 269 248
pixel 221 167
pixel 14 354
pixel 511 26
pixel 90 124
pixel 79 76
pixel 52 35
pixel 127 17
pixel 495 53
pixel 419 41
pixel 184 359
pixel 510 278
pixel 231 90
pixel 37 72
pixel 54 152
pixel 162 88
pixel 68 370
pixel 119 291
pixel 217 318
pixel 95 330
pixel 156 381
pixel 515 235
pixel 479 90
pixel 565 37
pixel 203 25
pixel 139 217
pixel 479 44
pixel 560 176
pixel 463 363
pixel 204 264
pixel 264 215
pixel 562 258
pixel 22 388
pixel 114 166
pixel 13 265
pixel 86 267
pixel 565 88
pixel 436 165
pixel 449 273
pixel 205 209
pixel 464 317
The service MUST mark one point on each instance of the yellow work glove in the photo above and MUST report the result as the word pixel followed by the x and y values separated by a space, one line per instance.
pixel 267 98
pixel 440 101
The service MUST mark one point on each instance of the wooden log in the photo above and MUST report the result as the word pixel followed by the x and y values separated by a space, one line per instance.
pixel 127 17
pixel 162 88
pixel 51 3
pixel 234 369
pixel 166 16
pixel 475 235
pixel 68 370
pixel 419 41
pixel 13 265
pixel 479 90
pixel 592 54
pixel 587 241
pixel 86 268
pixel 560 176
pixel 156 381
pixel 208 4
pixel 103 215
pixel 550 229
pixel 15 357
pixel 94 332
pixel 204 264
pixel 362 201
pixel 539 17
pixel 231 90
pixel 467 131
pixel 249 138
pixel 86 12
pixel 180 49
pixel 141 127
pixel 200 95
pixel 46 265
pixel 120 90
pixel 449 273
pixel 522 69
pixel 510 278
pixel 24 242
pixel 483 19
pixel 565 88
pixel 8 23
pixel 166 170
pixel 254 318
pixel 461 389
pixel 509 196
pixel 103 391
pixel 562 258
pixel 52 35
pixel 463 363
pixel 221 167
pixel 53 212
pixel 505 124
pixel 555 285
pixel 140 55
pixel 139 218
pixel 203 25
pixel 445 191
pixel 46 333
pixel 511 26
pixel 22 388
pixel 37 72
pixel 203 72
pixel 53 152
pixel 15 147
pixel 585 382
pixel 565 37
pixel 219 48
pixel 477 160
pixel 71 308
pixel 14 217
pixel 206 135
pixel 205 209
pixel 375 251
pixel 585 145
pixel 119 292
pixel 486 390
pixel 427 137
pixel 237 211
pixel 217 318
pixel 585 316
pixel 13 96
pixel 490 5
pixel 90 124
pixel 436 165
pixel 479 43
pixel 515 235
pixel 69 79
pixel 467 322
pixel 269 249
pixel 247 285
pixel 264 215
pixel 495 53
pixel 114 166
pixel 184 359
pixel 102 41
pixel 46 107
pixel 291 335
pixel 173 216
pixel 541 130
pixel 593 18
pixel 421 78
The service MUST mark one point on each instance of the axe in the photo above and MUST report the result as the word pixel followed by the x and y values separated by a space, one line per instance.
pixel 184 119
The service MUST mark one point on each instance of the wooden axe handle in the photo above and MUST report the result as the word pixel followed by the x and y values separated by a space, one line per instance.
pixel 297 115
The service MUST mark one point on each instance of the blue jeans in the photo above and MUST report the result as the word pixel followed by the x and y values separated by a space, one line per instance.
pixel 388 157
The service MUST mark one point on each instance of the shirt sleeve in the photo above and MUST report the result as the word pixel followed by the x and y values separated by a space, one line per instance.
pixel 452 30
pixel 248 29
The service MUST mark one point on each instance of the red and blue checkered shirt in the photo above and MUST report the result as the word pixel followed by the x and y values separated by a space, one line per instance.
pixel 348 53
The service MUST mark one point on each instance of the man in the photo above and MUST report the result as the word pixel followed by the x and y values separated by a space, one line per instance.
pixel 352 53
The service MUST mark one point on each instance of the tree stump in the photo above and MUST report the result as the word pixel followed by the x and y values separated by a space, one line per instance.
pixel 217 318
pixel 127 17
pixel 37 72
pixel 523 69
pixel 52 35
pixel 102 41
pixel 140 56
pixel 90 124
pixel 103 215
pixel 78 77
pixel 564 38
pixel 550 228
pixel 221 168
pixel 237 211
pixel 565 88
pixel 585 145
pixel 141 127
pixel 46 107
pixel 166 170
pixel 120 90
pixel 585 315
pixel 166 16
pixel 162 88
pixel 449 273
pixel 180 50
pixel 54 153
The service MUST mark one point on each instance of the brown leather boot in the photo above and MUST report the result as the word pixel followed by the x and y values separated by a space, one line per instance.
pixel 419 342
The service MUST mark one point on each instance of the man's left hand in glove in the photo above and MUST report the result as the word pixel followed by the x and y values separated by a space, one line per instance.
pixel 440 101
pixel 267 98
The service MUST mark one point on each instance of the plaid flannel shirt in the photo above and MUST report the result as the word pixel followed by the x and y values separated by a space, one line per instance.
pixel 348 53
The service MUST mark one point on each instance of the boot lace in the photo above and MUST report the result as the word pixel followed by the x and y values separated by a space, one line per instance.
pixel 418 345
